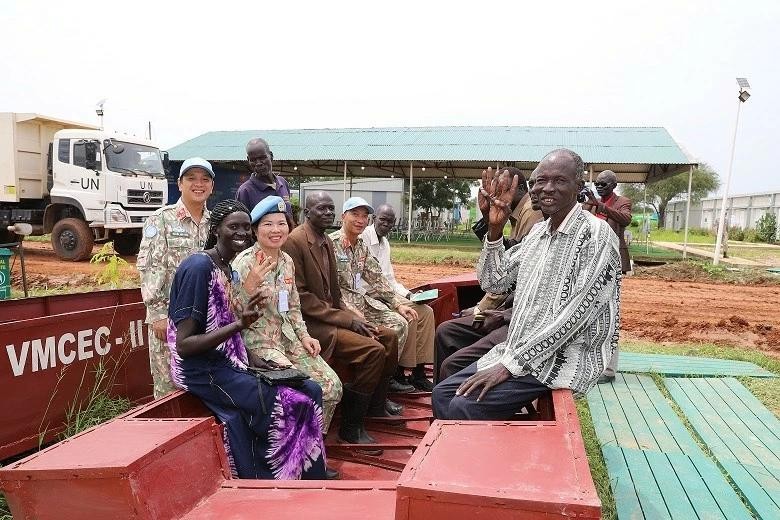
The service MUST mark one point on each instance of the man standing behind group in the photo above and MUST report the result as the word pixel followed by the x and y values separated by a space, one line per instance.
pixel 370 352
pixel 170 234
pixel 616 210
pixel 263 181
pixel 565 319
pixel 418 350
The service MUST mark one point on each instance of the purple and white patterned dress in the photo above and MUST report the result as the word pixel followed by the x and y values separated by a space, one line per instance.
pixel 272 432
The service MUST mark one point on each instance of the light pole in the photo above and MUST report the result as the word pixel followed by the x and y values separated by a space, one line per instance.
pixel 743 96
pixel 99 112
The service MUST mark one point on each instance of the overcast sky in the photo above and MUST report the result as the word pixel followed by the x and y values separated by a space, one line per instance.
pixel 234 65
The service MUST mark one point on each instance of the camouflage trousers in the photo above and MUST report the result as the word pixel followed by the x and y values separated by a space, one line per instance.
pixel 315 367
pixel 393 321
pixel 160 365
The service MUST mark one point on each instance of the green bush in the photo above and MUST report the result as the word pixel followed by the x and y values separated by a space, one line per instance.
pixel 702 232
pixel 736 233
pixel 751 236
pixel 766 228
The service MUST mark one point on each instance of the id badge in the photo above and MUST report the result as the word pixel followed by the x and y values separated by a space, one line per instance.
pixel 284 304
pixel 358 278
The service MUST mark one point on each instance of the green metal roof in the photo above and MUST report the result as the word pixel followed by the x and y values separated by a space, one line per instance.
pixel 641 149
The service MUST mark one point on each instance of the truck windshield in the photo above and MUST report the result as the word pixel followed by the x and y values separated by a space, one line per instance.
pixel 135 158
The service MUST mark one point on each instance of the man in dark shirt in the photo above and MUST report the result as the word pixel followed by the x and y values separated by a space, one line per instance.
pixel 264 181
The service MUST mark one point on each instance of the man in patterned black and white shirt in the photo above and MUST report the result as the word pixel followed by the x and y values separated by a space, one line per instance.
pixel 566 313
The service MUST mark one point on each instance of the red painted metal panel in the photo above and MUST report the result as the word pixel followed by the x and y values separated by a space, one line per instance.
pixel 354 500
pixel 28 308
pixel 49 366
pixel 521 469
pixel 127 468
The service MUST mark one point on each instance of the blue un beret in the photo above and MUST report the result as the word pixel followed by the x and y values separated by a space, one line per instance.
pixel 272 204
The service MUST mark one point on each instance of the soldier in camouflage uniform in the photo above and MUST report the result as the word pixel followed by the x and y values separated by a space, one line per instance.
pixel 280 333
pixel 170 235
pixel 374 299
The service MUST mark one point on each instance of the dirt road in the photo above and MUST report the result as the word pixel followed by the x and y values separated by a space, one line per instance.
pixel 652 310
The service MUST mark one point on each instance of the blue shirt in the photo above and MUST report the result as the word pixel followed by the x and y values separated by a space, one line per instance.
pixel 254 190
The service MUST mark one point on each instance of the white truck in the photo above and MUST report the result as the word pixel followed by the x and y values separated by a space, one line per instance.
pixel 79 183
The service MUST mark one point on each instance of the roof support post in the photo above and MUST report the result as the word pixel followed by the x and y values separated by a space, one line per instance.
pixel 411 192
pixel 591 174
pixel 344 194
pixel 687 213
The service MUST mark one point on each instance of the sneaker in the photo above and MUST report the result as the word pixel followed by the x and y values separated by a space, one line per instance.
pixel 399 387
pixel 605 379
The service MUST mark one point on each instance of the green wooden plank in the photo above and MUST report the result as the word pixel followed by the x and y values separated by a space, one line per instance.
pixel 751 404
pixel 760 489
pixel 626 499
pixel 670 485
pixel 645 438
pixel 678 431
pixel 646 402
pixel 707 423
pixel 650 497
pixel 753 433
pixel 707 484
pixel 600 417
pixel 686 365
pixel 622 429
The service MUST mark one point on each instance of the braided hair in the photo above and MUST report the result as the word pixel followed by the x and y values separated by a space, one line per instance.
pixel 218 214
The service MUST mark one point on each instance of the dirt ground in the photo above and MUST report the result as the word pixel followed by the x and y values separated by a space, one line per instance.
pixel 652 309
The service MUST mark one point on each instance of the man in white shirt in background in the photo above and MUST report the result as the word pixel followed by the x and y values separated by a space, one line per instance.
pixel 418 350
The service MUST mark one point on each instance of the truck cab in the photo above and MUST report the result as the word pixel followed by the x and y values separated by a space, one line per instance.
pixel 103 187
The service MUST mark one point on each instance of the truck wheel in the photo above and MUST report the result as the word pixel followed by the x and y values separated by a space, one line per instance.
pixel 72 239
pixel 127 244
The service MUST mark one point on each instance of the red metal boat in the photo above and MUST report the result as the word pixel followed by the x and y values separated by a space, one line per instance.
pixel 165 459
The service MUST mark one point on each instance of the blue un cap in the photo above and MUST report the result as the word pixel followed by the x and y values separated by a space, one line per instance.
pixel 356 202
pixel 196 162
pixel 272 204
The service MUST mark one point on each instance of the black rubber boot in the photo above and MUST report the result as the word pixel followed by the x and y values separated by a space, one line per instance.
pixel 353 412
pixel 379 406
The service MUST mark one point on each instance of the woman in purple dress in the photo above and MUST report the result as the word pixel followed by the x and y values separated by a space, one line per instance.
pixel 272 432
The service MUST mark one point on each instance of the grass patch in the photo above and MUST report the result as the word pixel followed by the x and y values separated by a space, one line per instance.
pixel 766 390
pixel 768 255
pixel 698 271
pixel 695 236
pixel 598 468
pixel 99 406
pixel 38 238
pixel 415 254
pixel 639 251
pixel 5 513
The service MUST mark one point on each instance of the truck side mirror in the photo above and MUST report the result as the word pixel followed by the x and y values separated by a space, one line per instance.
pixel 90 155
pixel 166 162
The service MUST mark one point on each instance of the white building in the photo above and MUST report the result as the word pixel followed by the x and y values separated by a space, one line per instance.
pixel 742 211
pixel 376 191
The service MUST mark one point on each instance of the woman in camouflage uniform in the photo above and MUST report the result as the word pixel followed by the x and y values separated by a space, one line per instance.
pixel 280 334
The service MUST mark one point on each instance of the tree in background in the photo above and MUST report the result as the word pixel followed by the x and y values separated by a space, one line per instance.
pixel 659 193
pixel 766 228
pixel 440 194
